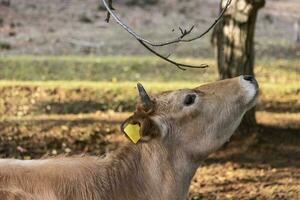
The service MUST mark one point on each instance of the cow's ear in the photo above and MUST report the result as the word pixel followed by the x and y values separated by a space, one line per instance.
pixel 140 127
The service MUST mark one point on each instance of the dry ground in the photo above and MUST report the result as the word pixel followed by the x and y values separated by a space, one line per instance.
pixel 53 28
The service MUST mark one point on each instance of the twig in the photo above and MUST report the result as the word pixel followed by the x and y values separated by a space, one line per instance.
pixel 179 65
pixel 108 13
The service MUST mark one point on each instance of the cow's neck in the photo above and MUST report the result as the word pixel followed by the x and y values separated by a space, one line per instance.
pixel 148 171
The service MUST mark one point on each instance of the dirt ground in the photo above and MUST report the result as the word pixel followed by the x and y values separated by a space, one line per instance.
pixel 263 166
pixel 76 27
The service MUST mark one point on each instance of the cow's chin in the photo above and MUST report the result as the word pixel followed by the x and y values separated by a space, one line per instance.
pixel 250 92
pixel 224 133
pixel 252 103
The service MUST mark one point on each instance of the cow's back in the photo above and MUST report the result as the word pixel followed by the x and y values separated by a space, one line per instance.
pixel 47 179
pixel 19 194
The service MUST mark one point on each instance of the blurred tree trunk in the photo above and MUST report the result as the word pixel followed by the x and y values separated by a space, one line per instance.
pixel 234 41
pixel 297 32
pixel 5 3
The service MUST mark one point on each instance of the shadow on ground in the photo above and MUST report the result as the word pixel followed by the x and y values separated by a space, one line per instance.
pixel 275 146
pixel 77 107
pixel 265 167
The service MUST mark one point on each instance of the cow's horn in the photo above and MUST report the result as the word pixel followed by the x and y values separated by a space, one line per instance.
pixel 146 101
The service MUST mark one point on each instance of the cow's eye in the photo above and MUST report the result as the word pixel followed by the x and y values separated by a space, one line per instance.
pixel 189 99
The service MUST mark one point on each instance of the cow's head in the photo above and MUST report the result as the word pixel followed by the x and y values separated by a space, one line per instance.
pixel 199 120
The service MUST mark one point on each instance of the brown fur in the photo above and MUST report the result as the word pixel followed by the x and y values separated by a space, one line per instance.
pixel 125 174
pixel 174 140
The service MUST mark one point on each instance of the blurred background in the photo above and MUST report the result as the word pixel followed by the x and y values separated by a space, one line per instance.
pixel 67 80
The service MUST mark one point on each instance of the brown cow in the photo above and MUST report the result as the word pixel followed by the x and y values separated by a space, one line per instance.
pixel 178 129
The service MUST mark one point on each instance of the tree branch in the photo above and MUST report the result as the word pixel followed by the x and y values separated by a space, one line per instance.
pixel 172 41
pixel 179 65
pixel 108 13
pixel 146 43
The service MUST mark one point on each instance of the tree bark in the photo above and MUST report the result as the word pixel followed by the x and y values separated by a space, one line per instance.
pixel 234 42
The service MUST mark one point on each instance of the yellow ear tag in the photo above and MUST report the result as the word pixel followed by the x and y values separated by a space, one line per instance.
pixel 133 132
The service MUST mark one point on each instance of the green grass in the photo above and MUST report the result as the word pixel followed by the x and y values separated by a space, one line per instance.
pixel 120 69
pixel 103 85
pixel 118 75
pixel 128 88
pixel 29 68
pixel 33 86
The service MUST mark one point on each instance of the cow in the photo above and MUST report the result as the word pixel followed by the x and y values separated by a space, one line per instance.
pixel 176 131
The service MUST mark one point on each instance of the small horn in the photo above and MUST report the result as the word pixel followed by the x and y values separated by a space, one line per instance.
pixel 146 101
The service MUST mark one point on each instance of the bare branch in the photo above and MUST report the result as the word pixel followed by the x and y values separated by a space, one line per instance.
pixel 166 58
pixel 212 26
pixel 185 32
pixel 146 43
pixel 108 13
pixel 172 41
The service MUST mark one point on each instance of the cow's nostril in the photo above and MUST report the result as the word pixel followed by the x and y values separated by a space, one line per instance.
pixel 248 78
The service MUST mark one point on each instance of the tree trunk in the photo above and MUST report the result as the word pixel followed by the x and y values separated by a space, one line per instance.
pixel 5 3
pixel 234 41
pixel 297 32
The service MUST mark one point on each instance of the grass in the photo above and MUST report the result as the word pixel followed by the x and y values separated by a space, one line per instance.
pixel 47 68
pixel 128 87
pixel 29 68
pixel 103 85
pixel 114 73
